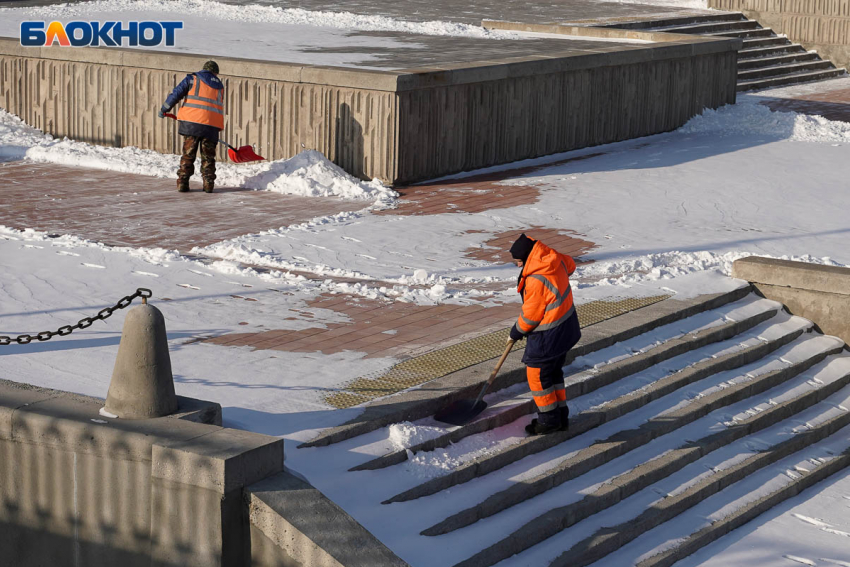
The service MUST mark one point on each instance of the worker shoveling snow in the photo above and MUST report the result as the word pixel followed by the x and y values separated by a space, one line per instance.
pixel 308 174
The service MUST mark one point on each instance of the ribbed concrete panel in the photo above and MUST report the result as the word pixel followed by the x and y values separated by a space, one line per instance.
pixel 468 126
pixel 117 106
pixel 399 126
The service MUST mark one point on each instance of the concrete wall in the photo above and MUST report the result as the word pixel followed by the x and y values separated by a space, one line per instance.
pixel 401 126
pixel 818 293
pixel 822 25
pixel 79 490
pixel 463 127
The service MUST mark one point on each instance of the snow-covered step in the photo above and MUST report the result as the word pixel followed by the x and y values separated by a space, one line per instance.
pixel 735 491
pixel 751 33
pixel 757 84
pixel 756 53
pixel 604 539
pixel 784 68
pixel 739 317
pixel 429 398
pixel 788 399
pixel 772 61
pixel 678 21
pixel 754 42
pixel 708 27
pixel 723 357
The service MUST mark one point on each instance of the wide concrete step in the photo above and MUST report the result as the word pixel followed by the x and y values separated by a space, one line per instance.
pixel 781 59
pixel 711 462
pixel 754 42
pixel 751 33
pixel 756 53
pixel 748 418
pixel 678 21
pixel 805 77
pixel 740 503
pixel 764 339
pixel 739 316
pixel 709 27
pixel 783 69
pixel 429 398
pixel 716 488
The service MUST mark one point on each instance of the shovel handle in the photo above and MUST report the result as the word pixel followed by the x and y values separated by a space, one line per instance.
pixel 499 364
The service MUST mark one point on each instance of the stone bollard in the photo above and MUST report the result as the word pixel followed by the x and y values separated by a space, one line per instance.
pixel 142 385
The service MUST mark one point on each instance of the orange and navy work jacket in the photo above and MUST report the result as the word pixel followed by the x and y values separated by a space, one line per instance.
pixel 203 105
pixel 548 317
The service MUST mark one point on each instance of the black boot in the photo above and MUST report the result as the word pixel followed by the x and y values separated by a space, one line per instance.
pixel 183 185
pixel 208 185
pixel 565 418
pixel 537 428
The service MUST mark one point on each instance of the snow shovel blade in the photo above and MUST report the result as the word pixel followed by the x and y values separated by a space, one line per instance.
pixel 243 154
pixel 461 412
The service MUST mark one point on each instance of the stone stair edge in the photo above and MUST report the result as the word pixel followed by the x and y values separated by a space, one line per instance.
pixel 747 513
pixel 666 464
pixel 558 519
pixel 672 506
pixel 627 403
pixel 606 376
pixel 430 397
pixel 803 77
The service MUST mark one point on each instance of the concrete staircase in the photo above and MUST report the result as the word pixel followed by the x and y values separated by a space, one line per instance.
pixel 722 414
pixel 767 60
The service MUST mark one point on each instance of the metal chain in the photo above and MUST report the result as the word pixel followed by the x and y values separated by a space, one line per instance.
pixel 84 323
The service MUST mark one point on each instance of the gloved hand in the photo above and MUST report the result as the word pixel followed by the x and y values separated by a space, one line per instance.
pixel 162 112
pixel 515 334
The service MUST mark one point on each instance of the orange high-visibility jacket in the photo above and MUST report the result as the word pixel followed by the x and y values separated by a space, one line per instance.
pixel 545 288
pixel 203 105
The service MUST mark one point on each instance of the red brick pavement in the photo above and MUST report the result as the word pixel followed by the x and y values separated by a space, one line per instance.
pixel 133 210
pixel 122 209
pixel 834 105
pixel 380 328
pixel 564 241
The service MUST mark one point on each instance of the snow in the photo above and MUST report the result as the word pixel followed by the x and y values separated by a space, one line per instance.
pixel 251 31
pixel 669 214
pixel 308 174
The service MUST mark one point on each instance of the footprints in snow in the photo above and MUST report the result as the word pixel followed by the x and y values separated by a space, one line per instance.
pixel 98 266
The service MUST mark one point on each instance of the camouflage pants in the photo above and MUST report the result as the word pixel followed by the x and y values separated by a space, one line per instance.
pixel 190 150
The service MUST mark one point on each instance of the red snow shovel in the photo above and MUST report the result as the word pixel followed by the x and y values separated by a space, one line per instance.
pixel 241 155
pixel 462 412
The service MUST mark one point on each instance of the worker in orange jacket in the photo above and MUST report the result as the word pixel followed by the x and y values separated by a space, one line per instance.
pixel 549 322
pixel 201 118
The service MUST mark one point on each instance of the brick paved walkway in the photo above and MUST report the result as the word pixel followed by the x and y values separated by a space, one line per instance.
pixel 133 210
pixel 122 209
pixel 834 105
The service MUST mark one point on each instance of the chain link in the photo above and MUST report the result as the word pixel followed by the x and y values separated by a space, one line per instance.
pixel 84 323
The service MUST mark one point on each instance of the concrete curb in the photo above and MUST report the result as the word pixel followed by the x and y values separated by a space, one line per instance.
pixel 633 481
pixel 625 441
pixel 308 529
pixel 574 387
pixel 437 394
pixel 609 539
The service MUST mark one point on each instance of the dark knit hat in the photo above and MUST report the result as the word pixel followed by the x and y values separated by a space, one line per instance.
pixel 211 66
pixel 522 247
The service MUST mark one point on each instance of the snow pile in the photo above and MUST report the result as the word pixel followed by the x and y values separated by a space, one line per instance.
pixel 309 174
pixel 753 119
pixel 406 434
pixel 252 13
pixel 668 265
